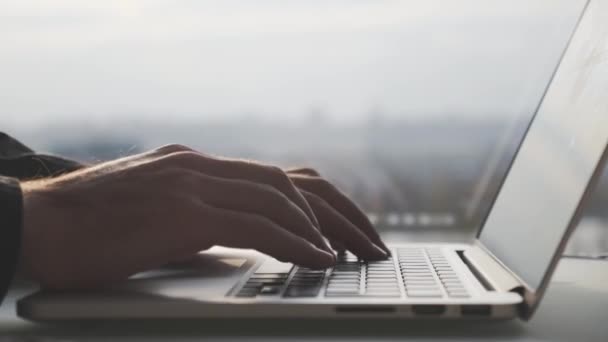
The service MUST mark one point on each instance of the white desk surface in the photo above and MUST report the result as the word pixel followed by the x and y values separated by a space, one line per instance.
pixel 574 309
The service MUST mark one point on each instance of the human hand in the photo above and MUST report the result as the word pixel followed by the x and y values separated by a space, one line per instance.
pixel 107 222
pixel 346 226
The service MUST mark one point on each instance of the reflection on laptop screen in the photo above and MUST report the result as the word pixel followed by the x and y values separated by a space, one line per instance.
pixel 556 160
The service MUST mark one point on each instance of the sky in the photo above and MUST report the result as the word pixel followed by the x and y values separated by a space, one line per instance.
pixel 277 59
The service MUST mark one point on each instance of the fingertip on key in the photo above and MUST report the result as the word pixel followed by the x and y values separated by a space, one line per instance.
pixel 329 259
pixel 380 253
pixel 384 248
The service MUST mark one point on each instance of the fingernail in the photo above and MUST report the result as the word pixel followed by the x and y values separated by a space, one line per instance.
pixel 333 254
pixel 384 248
pixel 330 257
pixel 328 248
pixel 381 251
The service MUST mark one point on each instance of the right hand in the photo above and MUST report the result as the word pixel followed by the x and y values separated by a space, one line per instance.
pixel 110 221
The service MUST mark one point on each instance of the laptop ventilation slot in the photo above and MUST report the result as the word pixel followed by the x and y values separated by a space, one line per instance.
pixel 484 282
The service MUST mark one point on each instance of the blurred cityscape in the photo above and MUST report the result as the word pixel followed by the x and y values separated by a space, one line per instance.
pixel 413 108
pixel 406 174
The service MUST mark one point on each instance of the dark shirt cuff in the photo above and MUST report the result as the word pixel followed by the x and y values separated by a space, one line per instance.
pixel 11 220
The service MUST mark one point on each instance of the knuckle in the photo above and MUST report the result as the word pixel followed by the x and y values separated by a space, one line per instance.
pixel 179 177
pixel 315 199
pixel 278 177
pixel 325 187
pixel 310 171
pixel 274 170
pixel 324 184
pixel 172 148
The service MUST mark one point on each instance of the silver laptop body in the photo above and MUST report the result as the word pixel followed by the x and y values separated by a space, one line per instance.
pixel 502 274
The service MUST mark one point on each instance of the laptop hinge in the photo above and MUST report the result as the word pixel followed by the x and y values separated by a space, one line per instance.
pixel 492 272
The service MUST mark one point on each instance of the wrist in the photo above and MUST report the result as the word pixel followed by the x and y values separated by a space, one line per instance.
pixel 33 219
pixel 11 217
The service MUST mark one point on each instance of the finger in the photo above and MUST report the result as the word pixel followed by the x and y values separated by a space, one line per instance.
pixel 305 171
pixel 245 170
pixel 242 230
pixel 254 198
pixel 337 227
pixel 341 203
pixel 337 246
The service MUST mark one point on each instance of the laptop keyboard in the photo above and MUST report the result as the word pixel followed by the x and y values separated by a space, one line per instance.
pixel 416 273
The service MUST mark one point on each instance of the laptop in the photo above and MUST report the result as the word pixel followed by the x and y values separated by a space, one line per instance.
pixel 501 274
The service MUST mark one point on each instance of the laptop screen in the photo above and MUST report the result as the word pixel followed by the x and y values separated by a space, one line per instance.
pixel 557 159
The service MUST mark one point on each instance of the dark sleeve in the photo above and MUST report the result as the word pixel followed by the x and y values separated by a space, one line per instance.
pixel 11 213
pixel 18 162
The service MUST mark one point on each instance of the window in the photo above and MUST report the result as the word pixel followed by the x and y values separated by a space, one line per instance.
pixel 415 108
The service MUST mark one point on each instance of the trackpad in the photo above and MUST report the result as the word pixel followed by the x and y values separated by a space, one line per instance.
pixel 207 276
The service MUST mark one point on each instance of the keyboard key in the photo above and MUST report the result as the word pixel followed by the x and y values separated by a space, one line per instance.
pixel 417 272
pixel 411 290
pixel 383 294
pixel 451 276
pixel 345 273
pixel 357 284
pixel 307 275
pixel 342 285
pixel 268 277
pixel 343 290
pixel 342 295
pixel 381 282
pixel 345 280
pixel 382 276
pixel 382 273
pixel 411 277
pixel 390 264
pixel 392 280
